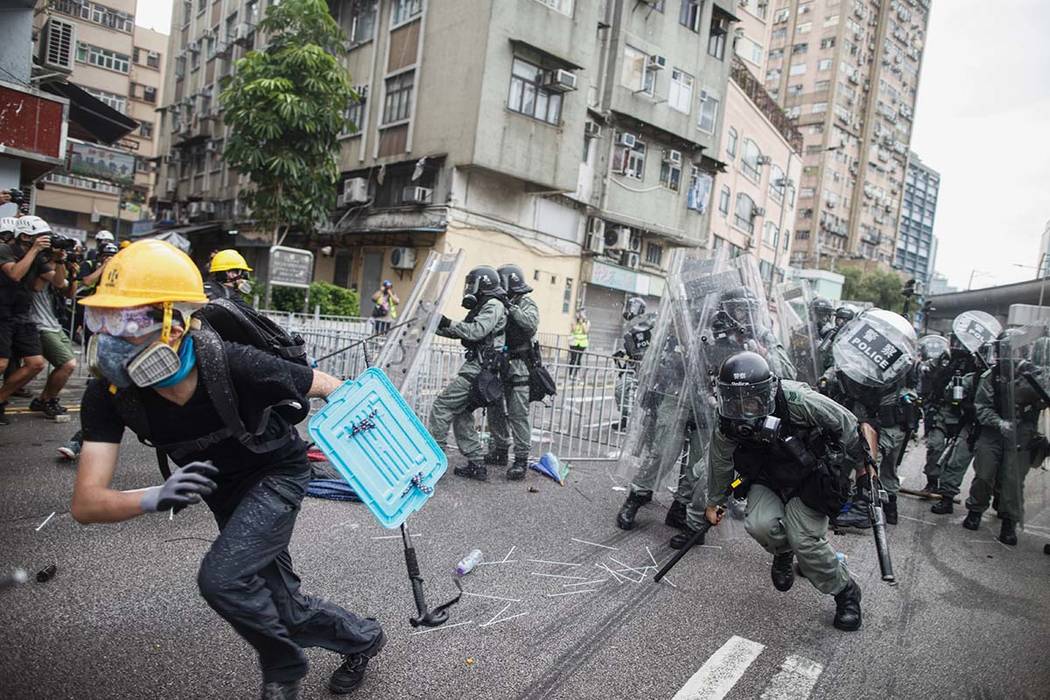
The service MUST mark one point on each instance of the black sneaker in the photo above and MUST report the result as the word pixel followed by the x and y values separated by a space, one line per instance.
pixel 281 691
pixel 71 450
pixel 53 409
pixel 472 470
pixel 351 673
pixel 4 420
pixel 38 405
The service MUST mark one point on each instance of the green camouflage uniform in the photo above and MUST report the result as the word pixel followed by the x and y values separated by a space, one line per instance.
pixel 956 422
pixel 997 468
pixel 451 405
pixel 778 525
pixel 524 314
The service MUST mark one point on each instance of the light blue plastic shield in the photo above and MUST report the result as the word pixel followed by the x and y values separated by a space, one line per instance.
pixel 375 441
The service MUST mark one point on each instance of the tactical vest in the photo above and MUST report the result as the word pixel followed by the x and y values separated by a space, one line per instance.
pixel 518 339
pixel 637 340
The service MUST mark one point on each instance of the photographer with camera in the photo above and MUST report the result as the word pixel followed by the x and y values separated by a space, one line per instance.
pixel 22 262
pixel 54 342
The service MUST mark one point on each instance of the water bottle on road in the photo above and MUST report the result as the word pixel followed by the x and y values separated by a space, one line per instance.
pixel 467 564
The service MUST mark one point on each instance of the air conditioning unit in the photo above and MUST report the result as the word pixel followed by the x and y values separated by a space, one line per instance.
pixel 403 258
pixel 617 237
pixel 211 147
pixel 172 184
pixel 58 41
pixel 596 241
pixel 241 32
pixel 560 81
pixel 656 62
pixel 628 140
pixel 355 191
pixel 208 207
pixel 595 227
pixel 591 130
pixel 673 157
pixel 630 259
pixel 764 160
pixel 758 211
pixel 636 242
pixel 417 195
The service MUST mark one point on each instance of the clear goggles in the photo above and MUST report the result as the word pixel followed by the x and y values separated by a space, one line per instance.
pixel 747 401
pixel 133 322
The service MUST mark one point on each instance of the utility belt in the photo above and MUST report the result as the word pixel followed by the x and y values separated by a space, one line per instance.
pixel 486 387
pixel 904 415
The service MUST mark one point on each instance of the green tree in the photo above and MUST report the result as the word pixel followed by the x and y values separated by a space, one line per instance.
pixel 286 105
pixel 883 289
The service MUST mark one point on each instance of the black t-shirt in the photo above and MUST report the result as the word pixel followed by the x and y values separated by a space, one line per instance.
pixel 17 297
pixel 259 380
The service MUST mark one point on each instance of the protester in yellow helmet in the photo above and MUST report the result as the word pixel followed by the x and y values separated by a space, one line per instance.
pixel 224 413
pixel 229 274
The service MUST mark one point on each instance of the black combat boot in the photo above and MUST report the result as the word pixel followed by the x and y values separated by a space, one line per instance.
pixel 944 506
pixel 931 485
pixel 890 510
pixel 847 607
pixel 782 572
pixel 472 470
pixel 682 538
pixel 676 516
pixel 1008 532
pixel 972 521
pixel 629 509
pixel 496 458
pixel 518 469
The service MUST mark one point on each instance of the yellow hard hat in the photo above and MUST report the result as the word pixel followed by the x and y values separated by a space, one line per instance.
pixel 148 272
pixel 228 260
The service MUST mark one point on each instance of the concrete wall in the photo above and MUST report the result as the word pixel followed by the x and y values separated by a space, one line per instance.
pixel 16 30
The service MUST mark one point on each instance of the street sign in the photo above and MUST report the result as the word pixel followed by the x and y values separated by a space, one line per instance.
pixel 291 267
pixel 99 161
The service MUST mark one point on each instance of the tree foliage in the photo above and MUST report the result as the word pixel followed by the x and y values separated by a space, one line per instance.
pixel 286 105
pixel 333 299
pixel 877 286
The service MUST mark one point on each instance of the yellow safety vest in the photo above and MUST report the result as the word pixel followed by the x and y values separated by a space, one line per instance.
pixel 579 335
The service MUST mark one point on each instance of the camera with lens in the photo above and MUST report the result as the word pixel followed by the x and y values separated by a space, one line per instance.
pixel 17 196
pixel 107 250
pixel 60 242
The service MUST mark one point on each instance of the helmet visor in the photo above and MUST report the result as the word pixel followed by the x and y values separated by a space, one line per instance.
pixel 746 401
pixel 133 322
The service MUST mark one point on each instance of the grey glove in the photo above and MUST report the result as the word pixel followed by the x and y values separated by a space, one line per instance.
pixel 183 488
pixel 1006 428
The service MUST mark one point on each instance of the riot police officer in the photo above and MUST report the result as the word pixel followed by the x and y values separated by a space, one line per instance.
pixel 794 449
pixel 636 340
pixel 933 372
pixel 510 417
pixel 478 383
pixel 738 326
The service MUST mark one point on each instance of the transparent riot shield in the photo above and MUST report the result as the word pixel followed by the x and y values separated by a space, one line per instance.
pixel 877 349
pixel 798 329
pixel 932 346
pixel 405 354
pixel 975 328
pixel 1024 373
pixel 656 429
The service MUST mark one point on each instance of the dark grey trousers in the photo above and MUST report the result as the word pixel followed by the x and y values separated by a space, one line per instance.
pixel 247 578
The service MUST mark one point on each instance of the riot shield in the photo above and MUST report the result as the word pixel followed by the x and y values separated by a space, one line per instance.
pixel 877 349
pixel 405 354
pixel 1024 371
pixel 799 331
pixel 932 346
pixel 975 328
pixel 656 428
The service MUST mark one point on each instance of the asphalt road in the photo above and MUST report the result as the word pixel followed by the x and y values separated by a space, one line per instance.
pixel 544 618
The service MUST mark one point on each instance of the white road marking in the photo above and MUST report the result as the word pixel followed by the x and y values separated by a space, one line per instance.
pixel 795 680
pixel 720 673
pixel 593 544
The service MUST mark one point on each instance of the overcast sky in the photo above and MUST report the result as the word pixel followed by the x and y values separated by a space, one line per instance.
pixel 982 121
pixel 154 14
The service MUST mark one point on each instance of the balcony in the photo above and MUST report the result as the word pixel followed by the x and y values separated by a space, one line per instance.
pixel 752 87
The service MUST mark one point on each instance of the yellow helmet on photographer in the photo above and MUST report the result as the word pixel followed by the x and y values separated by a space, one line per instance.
pixel 228 259
pixel 148 272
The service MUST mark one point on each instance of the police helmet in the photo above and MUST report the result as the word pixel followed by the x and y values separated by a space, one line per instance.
pixel 747 391
pixel 512 278
pixel 633 307
pixel 482 283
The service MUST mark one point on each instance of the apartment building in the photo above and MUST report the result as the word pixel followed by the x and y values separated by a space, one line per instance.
pixel 1043 265
pixel 575 138
pixel 121 65
pixel 848 71
pixel 756 194
pixel 916 244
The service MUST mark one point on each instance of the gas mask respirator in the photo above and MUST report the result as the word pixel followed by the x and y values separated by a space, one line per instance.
pixel 765 430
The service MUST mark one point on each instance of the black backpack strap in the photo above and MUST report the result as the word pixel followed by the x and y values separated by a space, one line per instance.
pixel 264 333
pixel 162 462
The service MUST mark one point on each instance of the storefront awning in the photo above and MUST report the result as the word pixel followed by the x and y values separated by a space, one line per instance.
pixel 90 119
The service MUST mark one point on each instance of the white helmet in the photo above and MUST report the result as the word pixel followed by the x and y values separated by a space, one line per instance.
pixel 32 226
pixel 8 223
pixel 103 236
